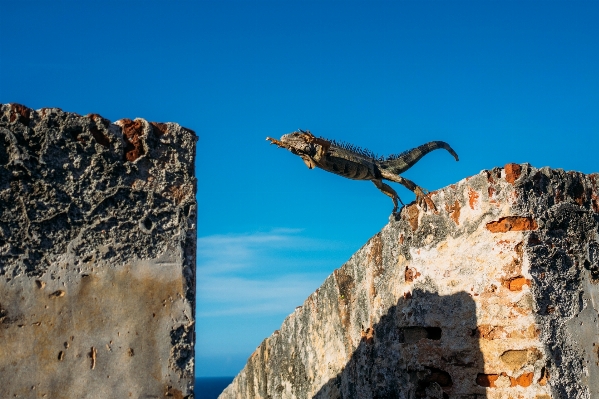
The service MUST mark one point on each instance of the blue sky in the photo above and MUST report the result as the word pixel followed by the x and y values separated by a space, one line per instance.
pixel 501 81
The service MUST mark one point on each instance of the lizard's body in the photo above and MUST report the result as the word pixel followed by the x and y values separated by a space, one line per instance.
pixel 359 164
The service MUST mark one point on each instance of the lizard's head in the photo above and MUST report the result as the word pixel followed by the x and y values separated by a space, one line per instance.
pixel 300 142
pixel 304 144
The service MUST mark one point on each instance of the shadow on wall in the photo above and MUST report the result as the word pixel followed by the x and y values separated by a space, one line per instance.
pixel 426 346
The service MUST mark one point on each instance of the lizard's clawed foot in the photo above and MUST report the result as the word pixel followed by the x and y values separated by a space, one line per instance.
pixel 280 144
pixel 275 141
pixel 396 214
pixel 423 199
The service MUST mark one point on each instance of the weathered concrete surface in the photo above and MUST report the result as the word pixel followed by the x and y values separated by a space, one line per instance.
pixel 97 256
pixel 494 295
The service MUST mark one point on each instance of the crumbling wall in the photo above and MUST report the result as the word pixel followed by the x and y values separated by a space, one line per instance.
pixel 97 256
pixel 495 294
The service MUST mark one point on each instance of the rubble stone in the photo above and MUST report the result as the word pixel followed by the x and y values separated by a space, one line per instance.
pixel 97 256
pixel 493 295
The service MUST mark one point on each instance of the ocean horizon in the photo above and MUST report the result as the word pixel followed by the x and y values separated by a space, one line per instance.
pixel 211 387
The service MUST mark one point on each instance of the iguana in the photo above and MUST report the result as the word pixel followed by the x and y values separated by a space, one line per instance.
pixel 359 164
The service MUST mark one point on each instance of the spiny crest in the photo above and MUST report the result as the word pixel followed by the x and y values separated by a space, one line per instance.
pixel 364 151
pixel 353 148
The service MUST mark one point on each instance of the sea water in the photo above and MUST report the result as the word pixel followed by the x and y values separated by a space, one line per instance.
pixel 211 387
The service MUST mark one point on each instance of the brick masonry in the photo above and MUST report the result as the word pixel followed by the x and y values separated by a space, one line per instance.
pixel 493 295
pixel 97 256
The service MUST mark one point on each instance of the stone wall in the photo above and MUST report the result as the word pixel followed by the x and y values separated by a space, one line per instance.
pixel 97 256
pixel 493 295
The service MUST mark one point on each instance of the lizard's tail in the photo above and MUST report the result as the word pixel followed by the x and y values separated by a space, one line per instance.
pixel 406 160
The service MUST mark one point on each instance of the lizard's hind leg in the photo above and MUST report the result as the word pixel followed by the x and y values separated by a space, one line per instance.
pixel 422 197
pixel 387 190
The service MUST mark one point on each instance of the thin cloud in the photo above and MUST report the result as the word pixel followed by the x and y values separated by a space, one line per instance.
pixel 232 252
pixel 235 296
pixel 248 238
pixel 217 254
pixel 260 273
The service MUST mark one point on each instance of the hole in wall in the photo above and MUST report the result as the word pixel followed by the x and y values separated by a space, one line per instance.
pixel 147 224
pixel 413 334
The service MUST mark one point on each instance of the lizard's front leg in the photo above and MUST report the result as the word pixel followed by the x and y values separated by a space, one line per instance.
pixel 310 163
pixel 387 190
pixel 322 144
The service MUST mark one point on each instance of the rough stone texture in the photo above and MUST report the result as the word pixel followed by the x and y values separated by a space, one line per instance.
pixel 494 295
pixel 97 256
